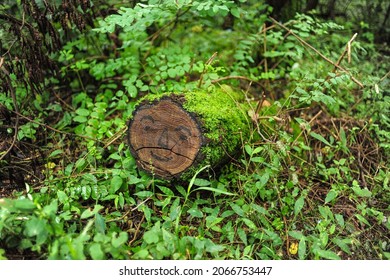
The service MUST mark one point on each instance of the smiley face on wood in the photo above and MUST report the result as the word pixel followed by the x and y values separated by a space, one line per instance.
pixel 164 138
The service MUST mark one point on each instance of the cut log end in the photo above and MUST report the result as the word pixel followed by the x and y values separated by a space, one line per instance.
pixel 164 138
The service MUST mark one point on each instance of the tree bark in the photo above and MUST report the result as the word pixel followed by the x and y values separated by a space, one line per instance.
pixel 171 135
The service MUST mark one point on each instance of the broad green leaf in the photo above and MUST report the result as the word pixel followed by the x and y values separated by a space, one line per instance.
pixel 87 213
pixel 248 149
pixel 86 192
pixel 299 205
pixel 116 183
pixel 324 237
pixel 80 163
pixel 362 219
pixel 195 212
pixel 237 209
pixel 326 254
pixel 166 191
pixel 361 192
pixel 332 194
pixel 242 235
pixel 296 234
pixel 250 224
pixel 100 223
pixel 96 251
pixel 35 227
pixel 320 138
pixel 80 119
pixel 259 209
pixel 302 249
pixel 82 112
pixel 343 244
pixel 120 240
pixel 201 182
pixel 23 204
pixel 151 237
pixel 340 219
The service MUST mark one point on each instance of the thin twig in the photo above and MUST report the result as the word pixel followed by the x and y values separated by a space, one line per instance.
pixel 346 50
pixel 317 52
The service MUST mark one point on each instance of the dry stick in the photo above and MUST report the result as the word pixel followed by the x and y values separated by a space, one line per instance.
pixel 317 52
pixel 346 50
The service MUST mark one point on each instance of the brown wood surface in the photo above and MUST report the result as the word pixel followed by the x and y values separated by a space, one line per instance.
pixel 164 138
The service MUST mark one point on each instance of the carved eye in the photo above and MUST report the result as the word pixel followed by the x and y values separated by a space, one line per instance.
pixel 146 120
pixel 182 137
pixel 183 132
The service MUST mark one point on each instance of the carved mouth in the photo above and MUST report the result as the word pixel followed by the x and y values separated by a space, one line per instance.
pixel 160 158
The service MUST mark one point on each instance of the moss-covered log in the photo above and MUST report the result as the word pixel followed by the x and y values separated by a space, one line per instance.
pixel 172 134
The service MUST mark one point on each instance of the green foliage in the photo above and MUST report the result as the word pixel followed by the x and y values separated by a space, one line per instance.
pixel 312 181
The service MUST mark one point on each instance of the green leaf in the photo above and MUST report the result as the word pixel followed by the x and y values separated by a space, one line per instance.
pixel 80 163
pixel 326 254
pixel 55 153
pixel 116 183
pixel 24 204
pixel 35 227
pixel 87 213
pixel 237 209
pixel 120 240
pixel 340 219
pixel 166 191
pixel 343 244
pixel 214 190
pixel 80 119
pixel 195 212
pixel 151 237
pixel 96 251
pixel 299 205
pixel 302 249
pixel 242 234
pixel 100 223
pixel 248 149
pixel 361 192
pixel 362 219
pixel 172 73
pixel 235 12
pixel 320 138
pixel 201 182
pixel 82 112
pixel 192 181
pixel 296 234
pixel 332 194
pixel 250 224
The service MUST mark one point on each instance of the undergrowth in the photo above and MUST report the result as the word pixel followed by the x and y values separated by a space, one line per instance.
pixel 312 181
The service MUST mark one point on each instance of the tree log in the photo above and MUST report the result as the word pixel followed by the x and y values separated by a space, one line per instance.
pixel 172 134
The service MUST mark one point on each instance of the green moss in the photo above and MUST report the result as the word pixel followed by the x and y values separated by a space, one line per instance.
pixel 225 123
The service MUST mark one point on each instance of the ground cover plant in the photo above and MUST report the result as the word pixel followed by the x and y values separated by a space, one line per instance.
pixel 312 178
